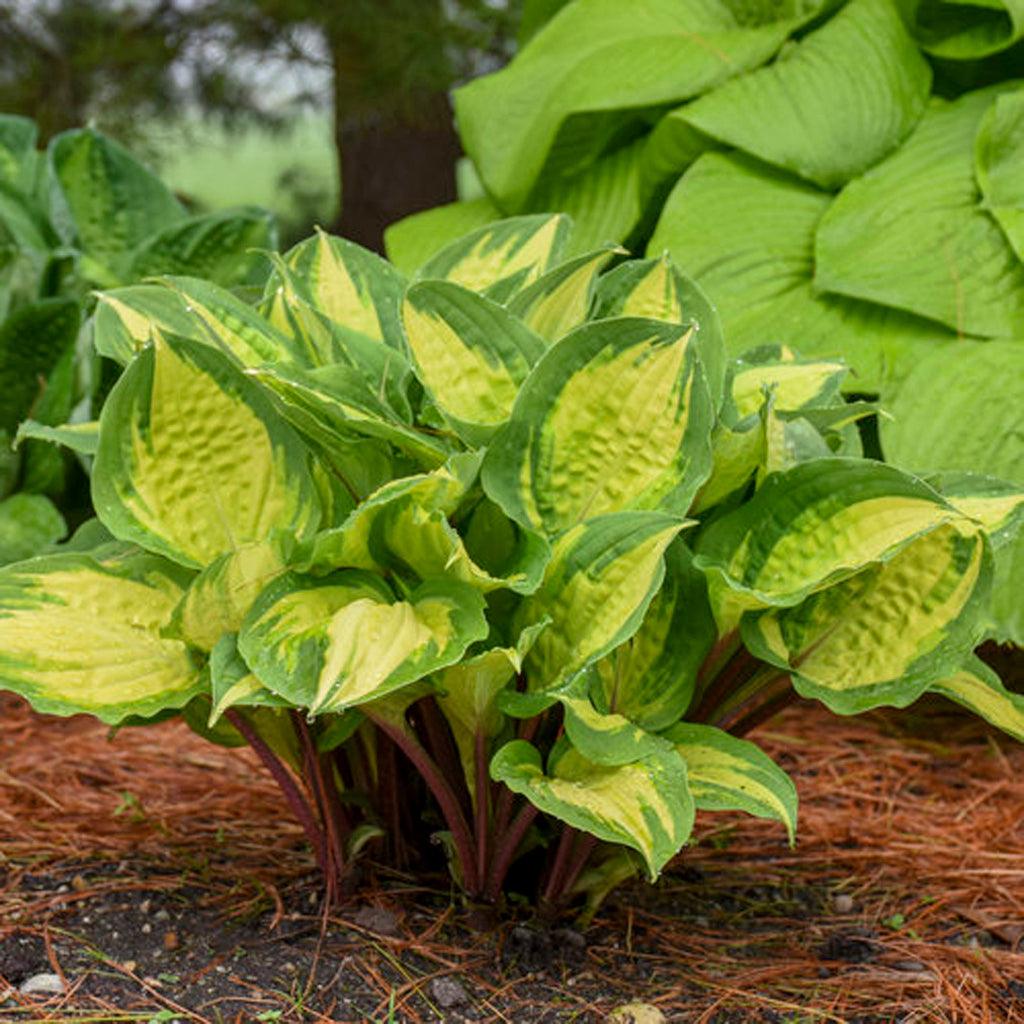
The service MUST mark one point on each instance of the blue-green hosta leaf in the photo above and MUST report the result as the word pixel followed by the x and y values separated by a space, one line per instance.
pixel 412 241
pixel 646 805
pixel 471 355
pixel 597 587
pixel 963 413
pixel 105 202
pixel 341 641
pixel 911 233
pixel 559 300
pixel 980 690
pixel 504 257
pixel 963 30
pixel 232 683
pixel 884 635
pixel 809 527
pixel 615 416
pixel 335 404
pixel 125 318
pixel 17 148
pixel 999 164
pixel 349 284
pixel 29 523
pixel 650 678
pixel 656 289
pixel 83 634
pixel 592 74
pixel 729 774
pixel 83 438
pixel 217 247
pixel 833 105
pixel 746 233
pixel 33 340
pixel 194 461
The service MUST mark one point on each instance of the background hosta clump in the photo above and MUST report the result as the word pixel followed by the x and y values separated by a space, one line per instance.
pixel 83 215
pixel 517 524
pixel 843 178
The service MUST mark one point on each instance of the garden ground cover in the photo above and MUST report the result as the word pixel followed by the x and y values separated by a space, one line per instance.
pixel 162 877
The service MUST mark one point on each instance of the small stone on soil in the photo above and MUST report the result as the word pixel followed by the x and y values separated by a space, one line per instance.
pixel 375 919
pixel 42 984
pixel 843 903
pixel 636 1013
pixel 447 992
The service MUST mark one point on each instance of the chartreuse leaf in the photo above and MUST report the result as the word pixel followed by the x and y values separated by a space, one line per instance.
pixel 980 690
pixel 413 240
pixel 590 76
pixel 559 300
pixel 341 641
pixel 811 526
pixel 615 416
pixel 232 684
pixel 17 145
pixel 29 523
pixel 883 635
pixel 83 438
pixel 746 233
pixel 105 202
pixel 974 428
pixel 218 247
pixel 998 163
pixel 792 382
pixel 125 318
pixel 964 31
pixel 471 355
pixel 504 257
pixel 655 288
pixel 350 285
pixel 996 505
pixel 729 774
pixel 597 586
pixel 911 233
pixel 831 107
pixel 645 805
pixel 80 634
pixel 650 678
pixel 193 460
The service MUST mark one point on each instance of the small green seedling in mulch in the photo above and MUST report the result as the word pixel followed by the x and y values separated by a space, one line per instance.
pixel 502 562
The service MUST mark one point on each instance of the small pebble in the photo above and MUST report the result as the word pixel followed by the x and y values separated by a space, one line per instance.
pixel 911 966
pixel 146 928
pixel 376 919
pixel 162 915
pixel 448 993
pixel 636 1013
pixel 42 984
pixel 843 903
pixel 144 906
pixel 171 940
pixel 79 884
pixel 129 965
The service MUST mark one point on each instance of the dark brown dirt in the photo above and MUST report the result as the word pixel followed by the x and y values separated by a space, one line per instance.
pixel 161 879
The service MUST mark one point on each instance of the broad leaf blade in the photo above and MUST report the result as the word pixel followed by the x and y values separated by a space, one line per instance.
pixel 29 523
pixel 977 688
pixel 998 161
pixel 415 239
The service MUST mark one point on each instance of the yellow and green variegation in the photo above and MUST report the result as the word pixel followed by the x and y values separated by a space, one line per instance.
pixel 976 687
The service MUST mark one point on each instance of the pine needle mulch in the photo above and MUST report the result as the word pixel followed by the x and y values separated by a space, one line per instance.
pixel 902 902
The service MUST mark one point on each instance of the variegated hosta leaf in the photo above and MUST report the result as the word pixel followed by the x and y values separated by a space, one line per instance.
pixel 603 738
pixel 349 284
pixel 655 288
pixel 471 355
pixel 980 690
pixel 83 634
pixel 645 805
pixel 337 642
pixel 735 457
pixel 815 524
pixel 793 383
pixel 883 635
pixel 194 462
pixel 219 598
pixel 615 416
pixel 997 505
pixel 501 258
pixel 559 300
pixel 334 404
pixel 725 773
pixel 124 319
pixel 232 683
pixel 29 524
pixel 650 678
pixel 83 438
pixel 596 590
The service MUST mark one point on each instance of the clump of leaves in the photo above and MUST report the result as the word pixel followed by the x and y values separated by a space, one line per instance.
pixel 82 215
pixel 508 557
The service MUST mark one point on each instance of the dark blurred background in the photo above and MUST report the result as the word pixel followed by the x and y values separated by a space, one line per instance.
pixel 333 112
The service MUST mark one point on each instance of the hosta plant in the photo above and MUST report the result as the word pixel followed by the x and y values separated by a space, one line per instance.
pixel 506 557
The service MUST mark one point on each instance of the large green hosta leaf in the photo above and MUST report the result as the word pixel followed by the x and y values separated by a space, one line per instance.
pixel 83 634
pixel 29 523
pixel 105 202
pixel 193 460
pixel 645 805
pixel 831 107
pixel 999 164
pixel 963 412
pixel 962 29
pixel 745 233
pixel 341 641
pixel 615 416
pixel 590 75
pixel 911 233
pixel 883 635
